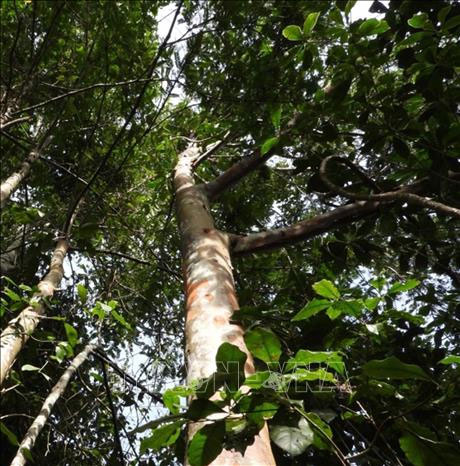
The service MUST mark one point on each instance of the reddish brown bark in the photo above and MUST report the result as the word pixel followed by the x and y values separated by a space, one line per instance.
pixel 210 297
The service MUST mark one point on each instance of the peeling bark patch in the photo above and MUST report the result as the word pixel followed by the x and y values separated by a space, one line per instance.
pixel 193 289
pixel 220 321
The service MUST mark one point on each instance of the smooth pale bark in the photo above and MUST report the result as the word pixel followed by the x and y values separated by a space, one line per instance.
pixel 13 181
pixel 210 297
pixel 6 124
pixel 15 335
pixel 56 392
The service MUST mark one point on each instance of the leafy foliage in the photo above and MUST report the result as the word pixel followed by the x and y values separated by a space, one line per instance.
pixel 354 332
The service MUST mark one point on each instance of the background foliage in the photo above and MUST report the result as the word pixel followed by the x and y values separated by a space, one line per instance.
pixel 364 318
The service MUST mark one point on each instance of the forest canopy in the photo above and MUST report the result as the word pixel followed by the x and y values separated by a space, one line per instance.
pixel 229 232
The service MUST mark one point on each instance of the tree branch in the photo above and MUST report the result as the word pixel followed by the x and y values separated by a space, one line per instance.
pixel 234 174
pixel 279 237
pixel 273 239
pixel 7 124
pixel 116 430
pixel 75 92
pixel 211 149
pixel 126 377
pixel 56 392
pixel 401 194
pixel 239 170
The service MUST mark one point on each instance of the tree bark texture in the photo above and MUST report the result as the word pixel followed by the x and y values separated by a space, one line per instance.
pixel 210 297
pixel 15 335
pixel 56 392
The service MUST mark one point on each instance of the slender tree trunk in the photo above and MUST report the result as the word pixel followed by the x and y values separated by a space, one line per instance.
pixel 56 392
pixel 15 335
pixel 13 181
pixel 9 258
pixel 210 297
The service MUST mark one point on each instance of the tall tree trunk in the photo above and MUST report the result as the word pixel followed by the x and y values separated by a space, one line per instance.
pixel 56 392
pixel 210 297
pixel 15 335
pixel 13 181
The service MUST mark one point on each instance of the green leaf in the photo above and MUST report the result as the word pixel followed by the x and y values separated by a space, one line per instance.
pixel 373 26
pixel 374 328
pixel 162 437
pixel 319 424
pixel 304 375
pixel 292 32
pixel 349 5
pixel 352 307
pixel 230 362
pixel 257 380
pixel 382 388
pixel 378 283
pixel 171 397
pixel 306 357
pixel 426 452
pixel 451 23
pixel 206 444
pixel 201 408
pixel 393 368
pixel 410 40
pixel 11 294
pixel 292 439
pixel 312 308
pixel 98 310
pixel 452 359
pixel 333 312
pixel 63 350
pixel 268 145
pixel 443 12
pixel 276 117
pixel 310 23
pixel 82 293
pixel 11 436
pixel 29 367
pixel 72 335
pixel 418 21
pixel 119 318
pixel 406 286
pixel 371 303
pixel 326 289
pixel 398 315
pixel 263 344
pixel 230 353
pixel 256 408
